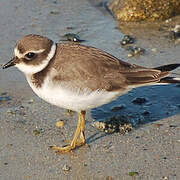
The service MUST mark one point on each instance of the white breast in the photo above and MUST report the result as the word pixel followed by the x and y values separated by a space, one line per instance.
pixel 65 96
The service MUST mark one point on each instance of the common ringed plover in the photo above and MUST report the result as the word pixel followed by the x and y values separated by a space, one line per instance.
pixel 79 77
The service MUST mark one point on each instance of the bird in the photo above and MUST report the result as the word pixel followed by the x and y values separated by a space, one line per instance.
pixel 79 77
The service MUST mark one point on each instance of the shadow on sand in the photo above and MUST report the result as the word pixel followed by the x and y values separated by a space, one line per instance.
pixel 163 101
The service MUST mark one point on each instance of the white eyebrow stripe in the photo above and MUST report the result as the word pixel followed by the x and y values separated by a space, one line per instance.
pixel 36 51
pixel 19 55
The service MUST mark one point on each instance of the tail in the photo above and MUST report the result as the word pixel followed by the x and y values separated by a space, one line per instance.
pixel 166 68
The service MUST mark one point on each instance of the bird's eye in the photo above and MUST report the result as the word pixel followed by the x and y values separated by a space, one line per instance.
pixel 30 55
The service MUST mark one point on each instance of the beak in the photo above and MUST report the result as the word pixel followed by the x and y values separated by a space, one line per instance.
pixel 9 64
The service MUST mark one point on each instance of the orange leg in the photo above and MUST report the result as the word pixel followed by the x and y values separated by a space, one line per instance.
pixel 75 142
pixel 82 134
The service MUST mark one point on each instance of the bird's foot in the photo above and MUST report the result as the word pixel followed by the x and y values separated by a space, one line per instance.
pixel 62 150
pixel 76 142
pixel 69 148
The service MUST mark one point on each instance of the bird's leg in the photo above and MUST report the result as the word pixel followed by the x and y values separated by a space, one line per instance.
pixel 81 140
pixel 75 142
pixel 82 134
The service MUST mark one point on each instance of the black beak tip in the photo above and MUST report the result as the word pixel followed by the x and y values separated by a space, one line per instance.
pixel 4 66
pixel 9 64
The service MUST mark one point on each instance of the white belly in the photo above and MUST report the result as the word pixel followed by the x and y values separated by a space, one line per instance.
pixel 72 98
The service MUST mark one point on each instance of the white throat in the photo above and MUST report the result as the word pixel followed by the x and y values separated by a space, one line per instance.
pixel 32 69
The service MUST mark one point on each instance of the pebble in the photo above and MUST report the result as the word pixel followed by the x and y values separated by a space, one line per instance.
pixel 146 113
pixel 66 168
pixel 54 12
pixel 154 50
pixel 136 51
pixel 165 177
pixel 99 125
pixel 133 173
pixel 4 94
pixel 30 101
pixel 9 111
pixel 175 32
pixel 119 107
pixel 37 132
pixel 69 28
pixel 139 100
pixel 60 124
pixel 127 39
pixel 72 37
pixel 125 128
pixel 168 20
pixel 20 110
pixel 114 124
pixel 70 112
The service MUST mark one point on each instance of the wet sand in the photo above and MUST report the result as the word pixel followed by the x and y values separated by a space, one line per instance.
pixel 27 123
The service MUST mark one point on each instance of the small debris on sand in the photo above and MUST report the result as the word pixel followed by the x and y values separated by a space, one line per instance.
pixel 60 124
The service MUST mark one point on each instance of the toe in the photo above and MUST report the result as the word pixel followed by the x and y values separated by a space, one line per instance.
pixel 61 150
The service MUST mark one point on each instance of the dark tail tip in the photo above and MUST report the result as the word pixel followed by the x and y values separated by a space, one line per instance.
pixel 168 67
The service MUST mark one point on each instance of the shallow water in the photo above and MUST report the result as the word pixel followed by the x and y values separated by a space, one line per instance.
pixel 163 101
